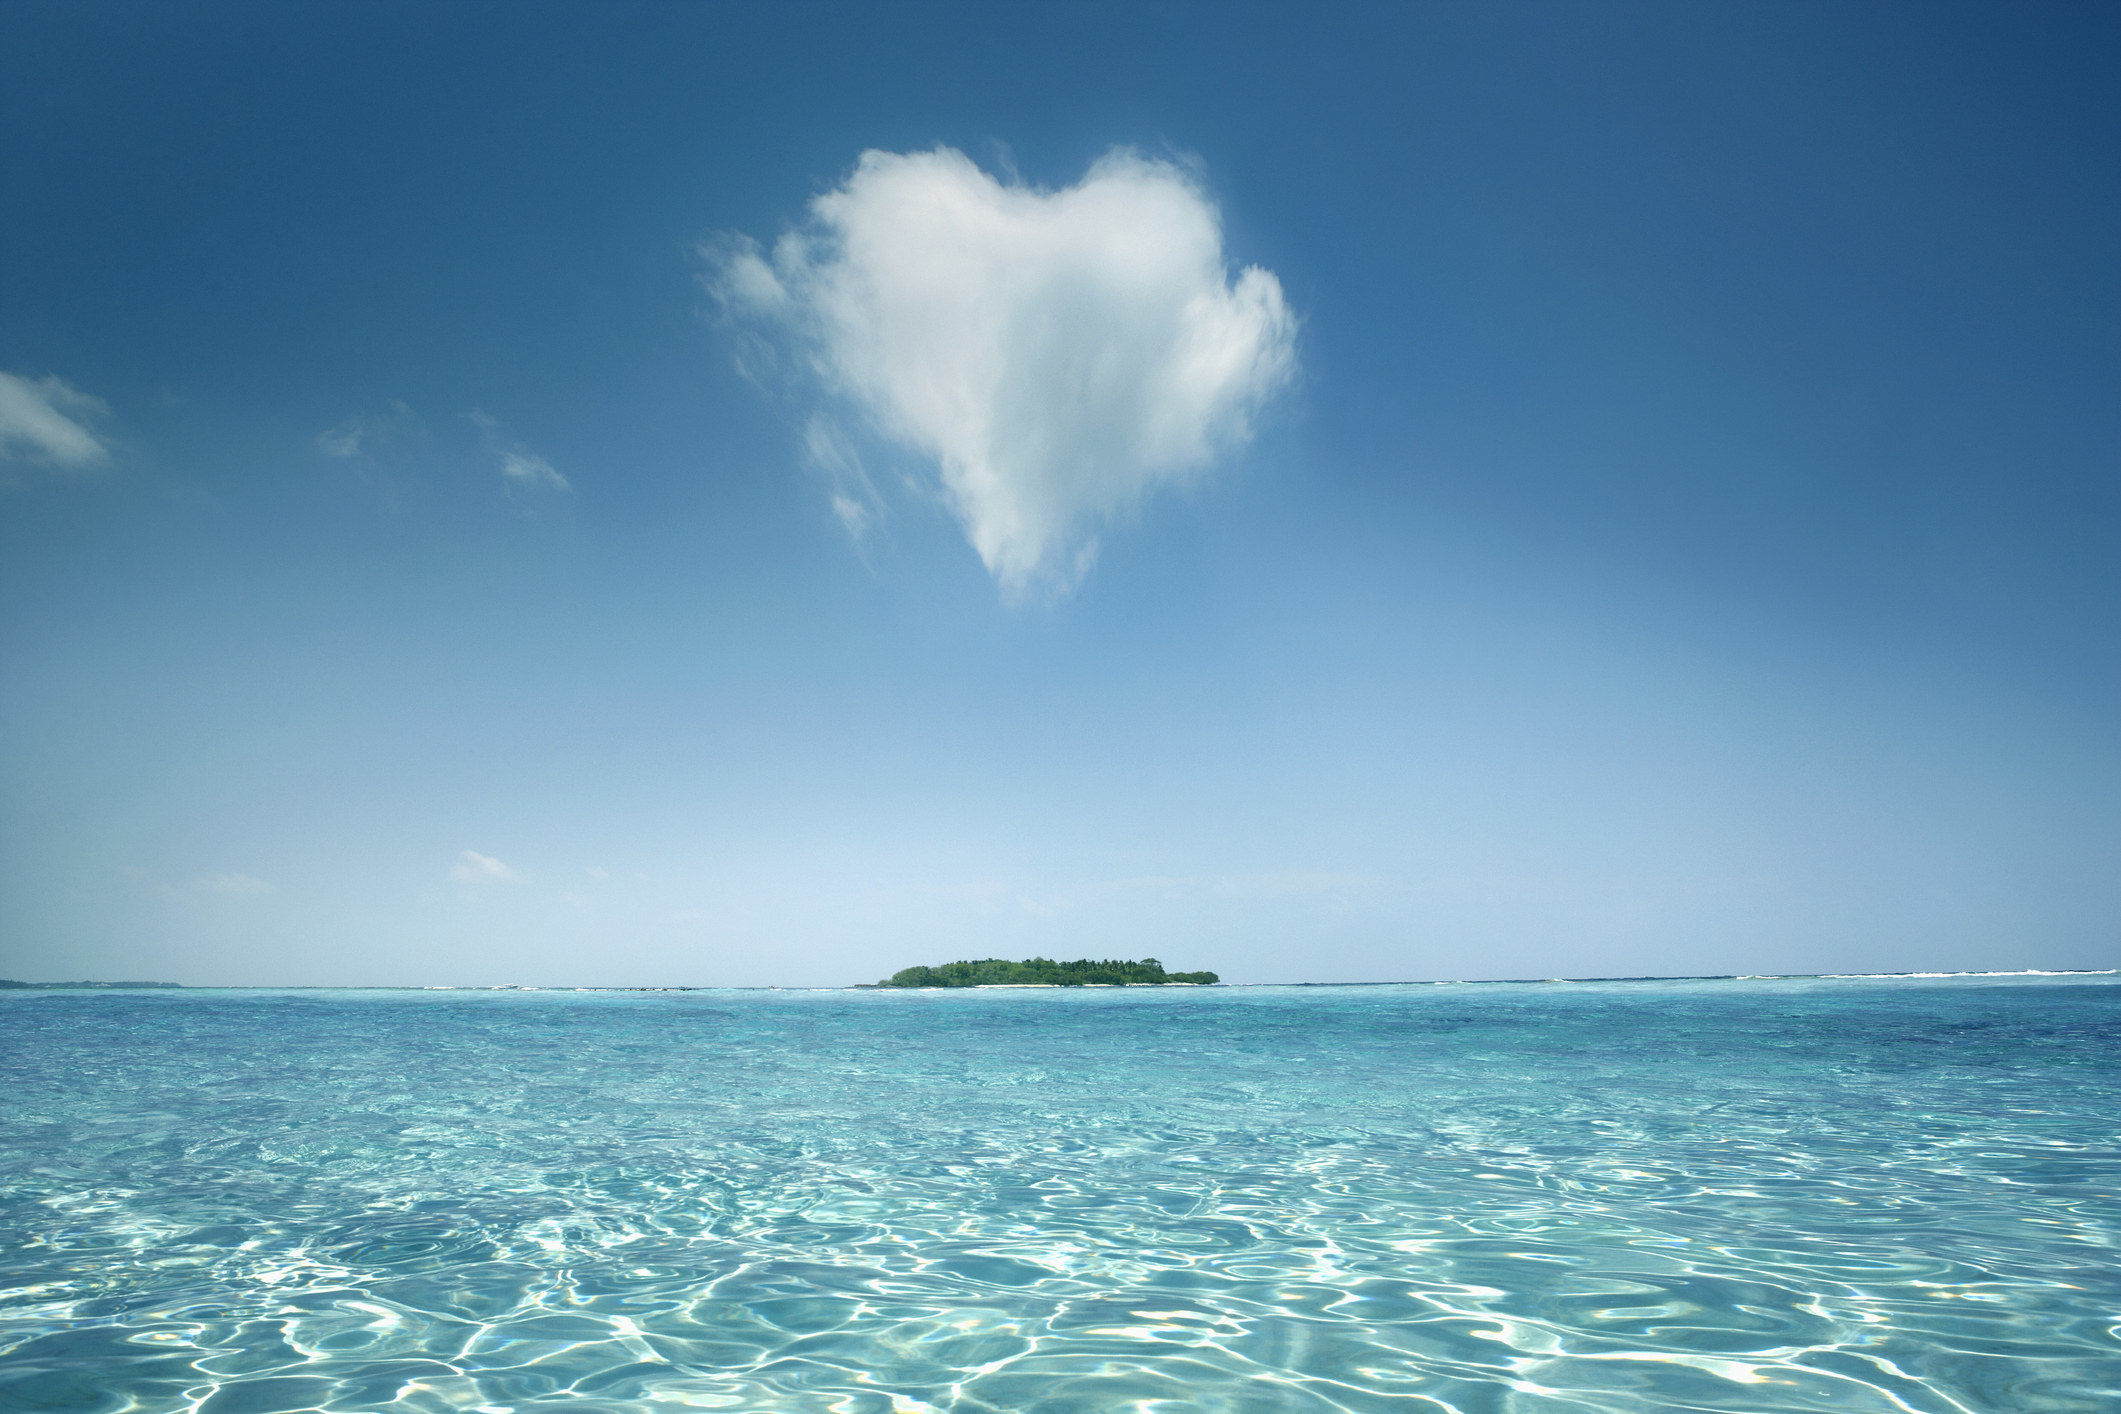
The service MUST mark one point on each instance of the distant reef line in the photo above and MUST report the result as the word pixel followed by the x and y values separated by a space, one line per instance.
pixel 1045 972
pixel 1082 973
pixel 7 985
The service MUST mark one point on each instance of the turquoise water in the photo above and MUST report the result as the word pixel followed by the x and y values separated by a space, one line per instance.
pixel 1848 1195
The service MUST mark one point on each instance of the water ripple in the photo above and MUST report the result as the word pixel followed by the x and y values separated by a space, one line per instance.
pixel 1768 1195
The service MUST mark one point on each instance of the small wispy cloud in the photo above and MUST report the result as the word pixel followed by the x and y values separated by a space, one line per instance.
pixel 523 471
pixel 853 515
pixel 396 450
pixel 232 885
pixel 1054 356
pixel 369 432
pixel 529 470
pixel 473 867
pixel 45 420
pixel 854 497
pixel 202 888
pixel 343 440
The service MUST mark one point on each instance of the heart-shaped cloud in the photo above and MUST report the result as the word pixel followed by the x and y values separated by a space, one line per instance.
pixel 1055 355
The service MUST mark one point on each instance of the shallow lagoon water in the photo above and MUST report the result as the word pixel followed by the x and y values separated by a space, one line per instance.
pixel 1848 1195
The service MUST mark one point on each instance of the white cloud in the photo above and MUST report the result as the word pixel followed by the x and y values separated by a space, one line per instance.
pixel 41 420
pixel 854 516
pixel 473 867
pixel 204 889
pixel 522 470
pixel 343 440
pixel 854 497
pixel 370 432
pixel 528 470
pixel 1055 355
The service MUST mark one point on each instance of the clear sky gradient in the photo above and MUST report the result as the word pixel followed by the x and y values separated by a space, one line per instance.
pixel 1671 528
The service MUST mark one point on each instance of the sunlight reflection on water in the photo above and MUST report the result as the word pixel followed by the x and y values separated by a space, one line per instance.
pixel 1785 1194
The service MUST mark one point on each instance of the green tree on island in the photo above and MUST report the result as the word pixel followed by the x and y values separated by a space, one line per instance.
pixel 1042 971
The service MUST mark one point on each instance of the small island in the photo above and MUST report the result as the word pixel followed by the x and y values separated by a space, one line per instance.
pixel 1044 972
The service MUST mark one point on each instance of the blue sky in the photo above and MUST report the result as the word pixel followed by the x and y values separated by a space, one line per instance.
pixel 1653 511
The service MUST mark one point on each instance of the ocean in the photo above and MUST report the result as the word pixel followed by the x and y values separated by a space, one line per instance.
pixel 1845 1194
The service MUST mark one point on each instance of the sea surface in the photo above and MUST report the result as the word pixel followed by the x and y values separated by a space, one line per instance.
pixel 1846 1194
